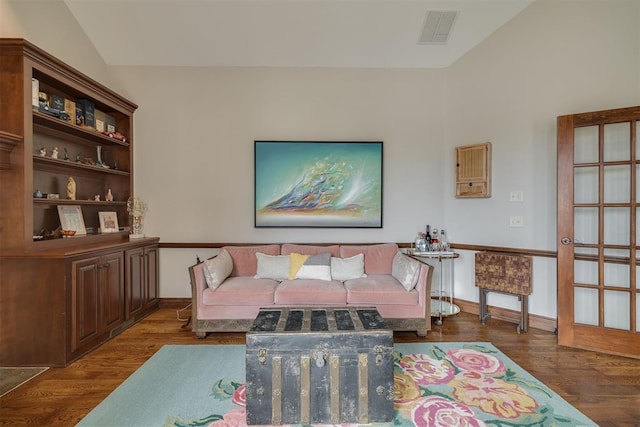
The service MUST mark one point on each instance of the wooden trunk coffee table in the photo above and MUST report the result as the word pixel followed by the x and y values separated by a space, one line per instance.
pixel 319 366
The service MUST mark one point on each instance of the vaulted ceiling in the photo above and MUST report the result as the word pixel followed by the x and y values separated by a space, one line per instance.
pixel 285 33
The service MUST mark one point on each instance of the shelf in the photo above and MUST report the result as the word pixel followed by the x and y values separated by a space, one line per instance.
pixel 65 164
pixel 443 308
pixel 57 127
pixel 77 202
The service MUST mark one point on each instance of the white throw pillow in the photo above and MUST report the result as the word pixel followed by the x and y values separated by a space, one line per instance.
pixel 406 270
pixel 274 267
pixel 217 269
pixel 347 268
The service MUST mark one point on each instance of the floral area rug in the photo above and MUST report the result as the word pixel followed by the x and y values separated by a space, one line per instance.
pixel 436 384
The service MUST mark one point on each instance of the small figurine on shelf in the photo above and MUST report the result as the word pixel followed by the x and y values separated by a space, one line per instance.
pixel 78 158
pixel 109 196
pixel 96 198
pixel 54 153
pixel 43 152
pixel 66 154
pixel 71 188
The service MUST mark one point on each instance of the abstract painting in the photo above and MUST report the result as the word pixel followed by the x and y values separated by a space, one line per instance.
pixel 318 184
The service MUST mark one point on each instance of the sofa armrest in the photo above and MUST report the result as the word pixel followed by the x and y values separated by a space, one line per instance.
pixel 198 286
pixel 424 288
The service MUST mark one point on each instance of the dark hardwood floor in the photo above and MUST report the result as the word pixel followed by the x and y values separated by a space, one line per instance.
pixel 605 388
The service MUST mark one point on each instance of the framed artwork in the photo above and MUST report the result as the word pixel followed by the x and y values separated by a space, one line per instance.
pixel 108 222
pixel 71 218
pixel 318 184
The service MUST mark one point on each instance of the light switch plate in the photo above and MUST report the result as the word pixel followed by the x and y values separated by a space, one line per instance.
pixel 516 221
pixel 516 196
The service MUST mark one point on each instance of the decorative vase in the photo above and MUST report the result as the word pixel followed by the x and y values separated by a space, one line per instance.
pixel 136 208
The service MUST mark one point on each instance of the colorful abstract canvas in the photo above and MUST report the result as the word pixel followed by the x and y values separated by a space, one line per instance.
pixel 318 184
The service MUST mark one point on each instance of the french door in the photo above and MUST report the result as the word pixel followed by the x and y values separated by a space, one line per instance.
pixel 598 231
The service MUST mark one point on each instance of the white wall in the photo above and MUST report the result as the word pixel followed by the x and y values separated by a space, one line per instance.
pixel 194 141
pixel 49 25
pixel 554 58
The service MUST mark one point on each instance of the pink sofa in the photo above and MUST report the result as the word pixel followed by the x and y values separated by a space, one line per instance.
pixel 247 278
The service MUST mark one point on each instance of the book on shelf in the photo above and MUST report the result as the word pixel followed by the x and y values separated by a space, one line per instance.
pixel 85 109
pixel 70 108
pixel 110 122
pixel 35 92
pixel 101 125
pixel 56 102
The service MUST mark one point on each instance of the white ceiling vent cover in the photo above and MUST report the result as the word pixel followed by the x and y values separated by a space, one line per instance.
pixel 437 27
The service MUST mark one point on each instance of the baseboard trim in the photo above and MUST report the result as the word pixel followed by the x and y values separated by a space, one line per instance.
pixel 535 321
pixel 513 316
pixel 176 303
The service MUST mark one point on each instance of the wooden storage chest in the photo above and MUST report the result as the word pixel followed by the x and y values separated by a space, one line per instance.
pixel 317 366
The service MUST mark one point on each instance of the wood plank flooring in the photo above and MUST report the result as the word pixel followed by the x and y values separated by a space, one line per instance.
pixel 605 388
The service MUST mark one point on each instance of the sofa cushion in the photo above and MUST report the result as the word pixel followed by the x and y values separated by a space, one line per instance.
pixel 310 292
pixel 242 291
pixel 244 258
pixel 289 248
pixel 378 289
pixel 406 270
pixel 274 267
pixel 347 268
pixel 310 266
pixel 378 259
pixel 217 269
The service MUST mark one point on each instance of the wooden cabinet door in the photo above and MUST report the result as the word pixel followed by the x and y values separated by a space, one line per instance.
pixel 97 295
pixel 85 302
pixel 112 290
pixel 135 281
pixel 599 231
pixel 142 279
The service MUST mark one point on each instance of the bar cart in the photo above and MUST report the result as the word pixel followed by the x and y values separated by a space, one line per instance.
pixel 442 304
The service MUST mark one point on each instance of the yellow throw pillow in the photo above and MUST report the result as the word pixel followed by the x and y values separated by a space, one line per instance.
pixel 297 261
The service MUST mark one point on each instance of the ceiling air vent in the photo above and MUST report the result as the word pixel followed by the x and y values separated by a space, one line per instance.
pixel 437 27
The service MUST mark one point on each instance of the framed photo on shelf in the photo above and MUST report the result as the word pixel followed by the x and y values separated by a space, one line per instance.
pixel 108 222
pixel 71 218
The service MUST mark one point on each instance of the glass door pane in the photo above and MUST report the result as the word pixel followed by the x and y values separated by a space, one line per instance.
pixel 617 184
pixel 616 310
pixel 617 141
pixel 585 184
pixel 617 226
pixel 586 306
pixel 586 144
pixel 586 225
pixel 585 272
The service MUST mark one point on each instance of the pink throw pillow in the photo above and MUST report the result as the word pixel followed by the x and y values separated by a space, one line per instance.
pixel 245 262
pixel 378 259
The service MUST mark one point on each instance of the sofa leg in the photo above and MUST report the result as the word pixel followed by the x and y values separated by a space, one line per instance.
pixel 201 335
pixel 422 333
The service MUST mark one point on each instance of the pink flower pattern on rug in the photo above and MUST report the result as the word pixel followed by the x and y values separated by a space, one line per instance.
pixel 468 387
